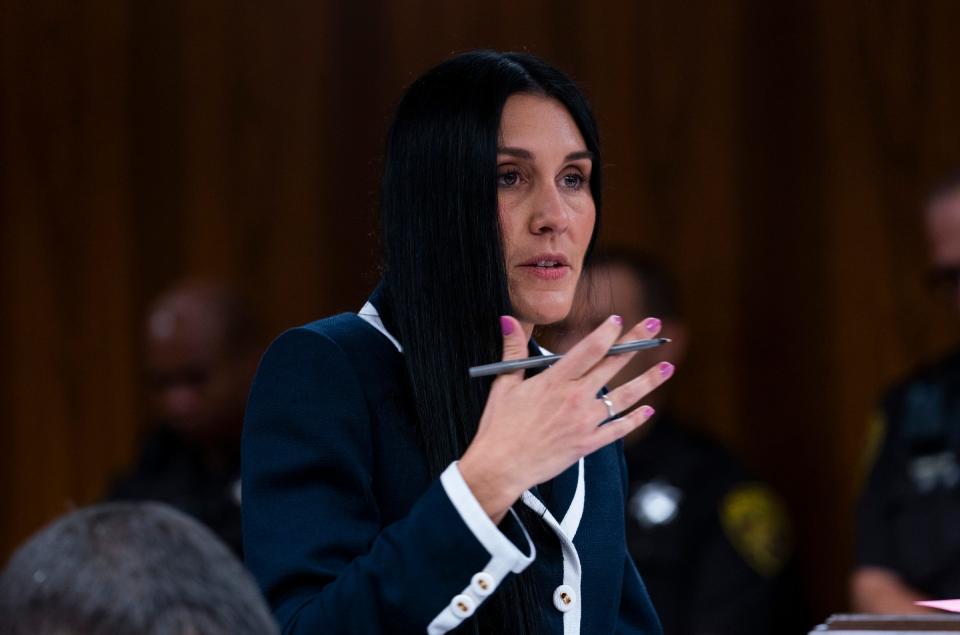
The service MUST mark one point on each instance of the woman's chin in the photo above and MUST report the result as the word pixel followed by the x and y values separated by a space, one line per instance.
pixel 544 314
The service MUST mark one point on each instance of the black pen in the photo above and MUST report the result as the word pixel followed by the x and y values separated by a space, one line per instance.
pixel 499 368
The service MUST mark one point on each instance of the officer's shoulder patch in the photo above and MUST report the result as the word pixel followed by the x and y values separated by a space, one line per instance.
pixel 756 524
pixel 873 440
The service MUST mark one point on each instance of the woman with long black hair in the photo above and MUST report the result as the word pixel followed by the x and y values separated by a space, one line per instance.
pixel 387 492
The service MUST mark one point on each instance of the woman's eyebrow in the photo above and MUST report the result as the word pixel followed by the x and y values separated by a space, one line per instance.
pixel 516 152
pixel 526 154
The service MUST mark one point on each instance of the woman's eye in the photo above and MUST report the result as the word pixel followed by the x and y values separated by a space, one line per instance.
pixel 508 179
pixel 573 181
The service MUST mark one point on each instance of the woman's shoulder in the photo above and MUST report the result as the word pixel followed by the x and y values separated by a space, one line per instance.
pixel 336 327
pixel 346 332
pixel 338 359
pixel 332 347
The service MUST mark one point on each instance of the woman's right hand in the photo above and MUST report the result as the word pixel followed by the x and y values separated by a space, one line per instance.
pixel 534 429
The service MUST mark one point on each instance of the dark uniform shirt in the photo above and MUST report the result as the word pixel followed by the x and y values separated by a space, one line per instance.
pixel 172 471
pixel 909 512
pixel 711 544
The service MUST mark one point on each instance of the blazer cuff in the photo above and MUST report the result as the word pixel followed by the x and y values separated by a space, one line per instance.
pixel 505 556
pixel 504 552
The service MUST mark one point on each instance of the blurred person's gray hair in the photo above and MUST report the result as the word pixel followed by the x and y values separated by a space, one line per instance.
pixel 129 569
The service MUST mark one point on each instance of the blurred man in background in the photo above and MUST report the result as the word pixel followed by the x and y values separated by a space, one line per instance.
pixel 711 544
pixel 202 345
pixel 908 543
pixel 129 569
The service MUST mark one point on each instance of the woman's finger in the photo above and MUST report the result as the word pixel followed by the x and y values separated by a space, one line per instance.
pixel 604 371
pixel 639 387
pixel 618 428
pixel 590 350
pixel 514 347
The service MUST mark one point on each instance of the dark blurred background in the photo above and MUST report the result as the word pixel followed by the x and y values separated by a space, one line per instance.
pixel 774 154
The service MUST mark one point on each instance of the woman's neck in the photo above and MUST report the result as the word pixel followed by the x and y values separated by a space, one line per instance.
pixel 527 329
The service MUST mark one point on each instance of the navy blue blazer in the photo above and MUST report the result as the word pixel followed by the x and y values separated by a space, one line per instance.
pixel 346 532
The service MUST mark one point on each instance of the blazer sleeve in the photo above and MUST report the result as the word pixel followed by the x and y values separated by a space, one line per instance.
pixel 637 615
pixel 312 531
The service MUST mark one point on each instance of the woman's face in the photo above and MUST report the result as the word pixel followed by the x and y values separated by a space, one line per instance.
pixel 546 209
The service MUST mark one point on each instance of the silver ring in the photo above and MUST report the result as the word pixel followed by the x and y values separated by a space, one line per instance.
pixel 609 404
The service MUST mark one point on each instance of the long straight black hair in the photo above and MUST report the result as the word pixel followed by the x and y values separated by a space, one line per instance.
pixel 445 281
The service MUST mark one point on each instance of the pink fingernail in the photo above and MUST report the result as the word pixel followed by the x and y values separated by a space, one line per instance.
pixel 666 369
pixel 506 325
pixel 652 325
pixel 616 319
pixel 647 412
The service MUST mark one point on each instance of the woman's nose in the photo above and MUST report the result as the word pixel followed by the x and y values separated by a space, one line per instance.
pixel 549 213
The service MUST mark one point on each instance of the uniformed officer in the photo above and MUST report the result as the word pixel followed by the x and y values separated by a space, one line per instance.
pixel 711 543
pixel 908 544
pixel 201 348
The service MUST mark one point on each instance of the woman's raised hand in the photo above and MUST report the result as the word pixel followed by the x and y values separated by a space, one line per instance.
pixel 533 429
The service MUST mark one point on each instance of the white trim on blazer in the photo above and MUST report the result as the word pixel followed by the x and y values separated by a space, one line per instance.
pixel 505 557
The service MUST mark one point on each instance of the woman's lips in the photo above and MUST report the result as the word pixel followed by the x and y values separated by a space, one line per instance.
pixel 546 273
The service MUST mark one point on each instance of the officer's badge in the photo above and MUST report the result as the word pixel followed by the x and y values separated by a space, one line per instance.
pixel 755 522
pixel 655 503
pixel 933 471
